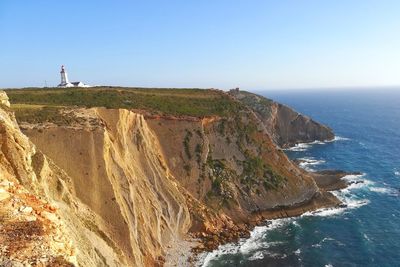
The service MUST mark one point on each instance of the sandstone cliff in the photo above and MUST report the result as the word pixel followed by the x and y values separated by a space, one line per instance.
pixel 116 205
pixel 41 222
pixel 128 183
pixel 286 126
pixel 225 167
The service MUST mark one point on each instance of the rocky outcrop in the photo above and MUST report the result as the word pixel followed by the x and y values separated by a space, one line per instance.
pixel 286 126
pixel 231 165
pixel 4 99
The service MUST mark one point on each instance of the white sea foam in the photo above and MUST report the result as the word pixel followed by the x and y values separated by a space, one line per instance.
pixel 349 200
pixel 310 161
pixel 354 177
pixel 358 182
pixel 384 190
pixel 295 223
pixel 340 138
pixel 249 247
pixel 317 142
pixel 255 247
pixel 396 172
pixel 325 212
pixel 275 255
pixel 304 146
pixel 299 147
pixel 366 237
pixel 257 256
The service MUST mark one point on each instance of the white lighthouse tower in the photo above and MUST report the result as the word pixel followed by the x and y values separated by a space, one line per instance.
pixel 66 83
pixel 64 78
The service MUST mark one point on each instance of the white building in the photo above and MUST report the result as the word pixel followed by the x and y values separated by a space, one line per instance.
pixel 66 83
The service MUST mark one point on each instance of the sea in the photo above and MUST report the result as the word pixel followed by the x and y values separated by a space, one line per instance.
pixel 366 123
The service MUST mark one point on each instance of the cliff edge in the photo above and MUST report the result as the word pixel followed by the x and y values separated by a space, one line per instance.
pixel 286 126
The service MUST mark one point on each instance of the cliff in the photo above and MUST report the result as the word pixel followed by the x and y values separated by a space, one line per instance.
pixel 116 203
pixel 130 182
pixel 286 126
pixel 42 223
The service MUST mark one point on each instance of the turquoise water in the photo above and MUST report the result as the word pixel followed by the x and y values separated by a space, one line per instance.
pixel 367 232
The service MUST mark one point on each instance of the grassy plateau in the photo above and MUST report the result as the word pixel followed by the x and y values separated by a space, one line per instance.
pixel 43 103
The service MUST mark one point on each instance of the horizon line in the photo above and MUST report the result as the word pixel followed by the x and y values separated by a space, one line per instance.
pixel 328 88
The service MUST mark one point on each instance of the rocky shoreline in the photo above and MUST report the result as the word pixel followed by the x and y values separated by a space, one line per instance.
pixel 327 180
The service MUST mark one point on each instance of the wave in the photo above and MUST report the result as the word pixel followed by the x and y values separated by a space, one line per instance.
pixel 358 182
pixel 256 247
pixel 385 190
pixel 257 256
pixel 340 138
pixel 249 247
pixel 299 147
pixel 304 146
pixel 346 196
pixel 329 212
pixel 396 172
pixel 310 161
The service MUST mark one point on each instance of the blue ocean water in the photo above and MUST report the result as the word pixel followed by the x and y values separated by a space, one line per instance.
pixel 367 232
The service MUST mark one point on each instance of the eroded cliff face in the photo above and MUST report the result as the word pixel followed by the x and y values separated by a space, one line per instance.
pixel 285 126
pixel 118 171
pixel 113 202
pixel 231 165
pixel 42 223
pixel 227 167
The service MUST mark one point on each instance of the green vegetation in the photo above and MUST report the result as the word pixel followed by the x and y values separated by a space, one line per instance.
pixel 191 102
pixel 221 127
pixel 255 171
pixel 222 192
pixel 198 150
pixel 218 172
pixel 39 114
pixel 260 104
pixel 187 168
pixel 186 144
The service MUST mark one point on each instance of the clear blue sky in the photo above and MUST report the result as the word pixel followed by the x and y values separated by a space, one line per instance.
pixel 254 44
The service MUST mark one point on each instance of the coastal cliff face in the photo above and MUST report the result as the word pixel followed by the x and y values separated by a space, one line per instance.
pixel 117 171
pixel 129 183
pixel 285 126
pixel 116 202
pixel 42 223
pixel 231 165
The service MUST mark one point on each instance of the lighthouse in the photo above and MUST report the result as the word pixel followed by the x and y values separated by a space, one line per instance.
pixel 64 78
pixel 66 83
